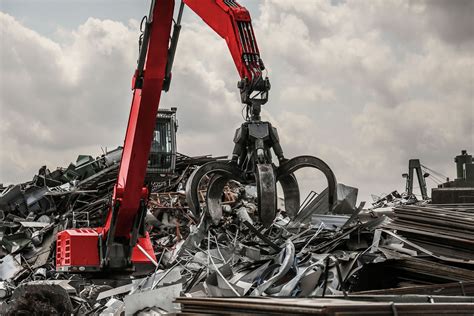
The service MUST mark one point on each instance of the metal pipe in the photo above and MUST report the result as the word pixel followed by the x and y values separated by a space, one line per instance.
pixel 173 46
pixel 147 255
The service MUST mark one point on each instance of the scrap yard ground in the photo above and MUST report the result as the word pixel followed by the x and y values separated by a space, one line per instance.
pixel 398 256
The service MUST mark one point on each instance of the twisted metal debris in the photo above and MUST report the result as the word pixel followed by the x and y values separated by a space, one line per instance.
pixel 344 253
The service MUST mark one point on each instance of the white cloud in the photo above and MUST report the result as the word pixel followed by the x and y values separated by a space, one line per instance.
pixel 398 88
pixel 62 99
pixel 363 85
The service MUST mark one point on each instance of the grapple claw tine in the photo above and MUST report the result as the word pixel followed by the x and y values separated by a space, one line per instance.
pixel 299 162
pixel 291 193
pixel 214 195
pixel 224 168
pixel 266 177
pixel 266 193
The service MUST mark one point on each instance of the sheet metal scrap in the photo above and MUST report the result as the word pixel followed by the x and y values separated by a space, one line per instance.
pixel 77 196
pixel 238 258
pixel 330 256
pixel 443 230
pixel 447 289
pixel 401 246
pixel 328 306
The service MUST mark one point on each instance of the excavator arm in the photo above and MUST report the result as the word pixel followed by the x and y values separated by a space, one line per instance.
pixel 122 242
pixel 233 23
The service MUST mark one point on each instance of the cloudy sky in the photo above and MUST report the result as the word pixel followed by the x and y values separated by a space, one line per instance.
pixel 364 85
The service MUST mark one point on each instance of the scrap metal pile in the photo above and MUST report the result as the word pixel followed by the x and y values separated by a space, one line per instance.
pixel 360 255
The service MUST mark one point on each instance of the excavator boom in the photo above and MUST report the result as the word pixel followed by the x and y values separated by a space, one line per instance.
pixel 122 241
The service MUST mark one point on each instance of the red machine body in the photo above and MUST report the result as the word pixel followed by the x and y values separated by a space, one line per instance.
pixel 122 243
pixel 84 241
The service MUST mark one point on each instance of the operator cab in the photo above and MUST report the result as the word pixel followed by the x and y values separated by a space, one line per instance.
pixel 162 158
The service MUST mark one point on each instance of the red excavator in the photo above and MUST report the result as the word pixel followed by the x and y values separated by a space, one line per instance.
pixel 122 243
